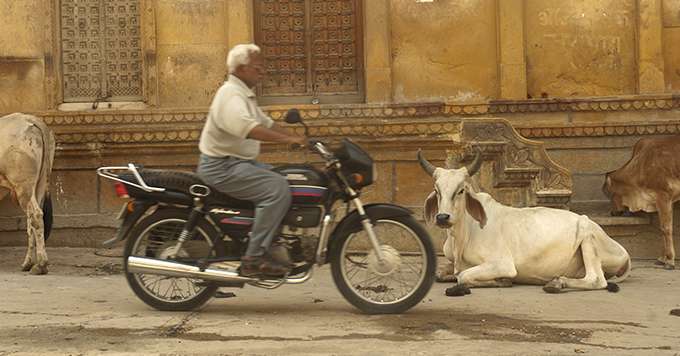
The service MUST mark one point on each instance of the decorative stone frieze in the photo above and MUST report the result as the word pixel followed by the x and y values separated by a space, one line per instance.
pixel 661 128
pixel 422 119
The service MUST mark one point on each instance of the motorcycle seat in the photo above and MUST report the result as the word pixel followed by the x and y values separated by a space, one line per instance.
pixel 181 181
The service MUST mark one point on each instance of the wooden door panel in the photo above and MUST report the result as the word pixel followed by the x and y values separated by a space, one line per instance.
pixel 312 50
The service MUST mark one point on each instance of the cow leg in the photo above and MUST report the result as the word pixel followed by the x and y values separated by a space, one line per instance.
pixel 496 274
pixel 594 278
pixel 446 273
pixel 665 208
pixel 30 258
pixel 36 256
pixel 24 202
pixel 36 214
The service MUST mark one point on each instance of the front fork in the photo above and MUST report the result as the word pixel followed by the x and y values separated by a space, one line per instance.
pixel 322 247
pixel 368 227
pixel 366 223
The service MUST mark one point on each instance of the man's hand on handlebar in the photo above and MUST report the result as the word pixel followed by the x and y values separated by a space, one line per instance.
pixel 298 142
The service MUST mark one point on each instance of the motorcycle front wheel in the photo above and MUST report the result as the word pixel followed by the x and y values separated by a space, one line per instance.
pixel 393 285
pixel 152 237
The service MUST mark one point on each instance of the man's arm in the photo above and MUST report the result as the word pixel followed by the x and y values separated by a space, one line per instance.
pixel 275 134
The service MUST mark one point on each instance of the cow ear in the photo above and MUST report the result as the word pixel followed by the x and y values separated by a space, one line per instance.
pixel 475 209
pixel 431 207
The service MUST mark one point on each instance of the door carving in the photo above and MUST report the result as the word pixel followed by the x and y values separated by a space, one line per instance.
pixel 312 50
pixel 101 50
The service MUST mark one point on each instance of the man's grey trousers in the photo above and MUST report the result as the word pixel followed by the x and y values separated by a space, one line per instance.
pixel 253 181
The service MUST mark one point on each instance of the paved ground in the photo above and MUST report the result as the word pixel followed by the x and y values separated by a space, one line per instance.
pixel 84 306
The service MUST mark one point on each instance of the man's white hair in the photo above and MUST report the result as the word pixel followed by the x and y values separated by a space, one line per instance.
pixel 240 55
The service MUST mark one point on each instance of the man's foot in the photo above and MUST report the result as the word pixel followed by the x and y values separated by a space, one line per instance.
pixel 279 254
pixel 252 266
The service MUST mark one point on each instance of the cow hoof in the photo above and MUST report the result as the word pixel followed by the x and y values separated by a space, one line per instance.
pixel 553 287
pixel 665 264
pixel 612 287
pixel 26 266
pixel 38 270
pixel 457 291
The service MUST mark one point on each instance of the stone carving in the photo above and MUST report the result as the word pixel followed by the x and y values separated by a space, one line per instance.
pixel 516 163
pixel 326 64
pixel 101 53
pixel 369 120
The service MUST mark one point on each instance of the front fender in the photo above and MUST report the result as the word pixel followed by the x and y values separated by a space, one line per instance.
pixel 351 223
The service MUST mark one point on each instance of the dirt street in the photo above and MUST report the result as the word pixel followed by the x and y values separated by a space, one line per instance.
pixel 84 306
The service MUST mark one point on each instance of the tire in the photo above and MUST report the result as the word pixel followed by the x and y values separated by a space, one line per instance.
pixel 148 239
pixel 410 254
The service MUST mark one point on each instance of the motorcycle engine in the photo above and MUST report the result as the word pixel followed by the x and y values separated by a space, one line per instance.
pixel 301 244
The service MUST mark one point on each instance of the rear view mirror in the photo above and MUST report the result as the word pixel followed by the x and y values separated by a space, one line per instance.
pixel 293 116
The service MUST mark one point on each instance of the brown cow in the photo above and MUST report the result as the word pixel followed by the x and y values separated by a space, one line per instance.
pixel 26 155
pixel 649 181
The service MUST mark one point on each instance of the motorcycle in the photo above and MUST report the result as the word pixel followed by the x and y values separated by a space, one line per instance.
pixel 184 239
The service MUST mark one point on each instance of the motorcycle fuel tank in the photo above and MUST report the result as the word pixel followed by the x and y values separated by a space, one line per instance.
pixel 308 185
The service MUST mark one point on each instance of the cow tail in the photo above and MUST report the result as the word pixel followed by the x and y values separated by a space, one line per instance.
pixel 48 219
pixel 48 149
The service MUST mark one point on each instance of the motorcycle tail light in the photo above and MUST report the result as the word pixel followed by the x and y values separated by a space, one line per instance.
pixel 121 190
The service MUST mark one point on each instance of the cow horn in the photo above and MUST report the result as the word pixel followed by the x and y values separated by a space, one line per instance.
pixel 427 166
pixel 473 167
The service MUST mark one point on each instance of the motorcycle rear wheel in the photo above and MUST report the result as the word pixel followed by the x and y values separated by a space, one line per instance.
pixel 149 238
pixel 394 286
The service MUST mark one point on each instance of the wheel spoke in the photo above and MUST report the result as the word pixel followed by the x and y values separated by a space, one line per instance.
pixel 410 266
pixel 154 241
pixel 405 257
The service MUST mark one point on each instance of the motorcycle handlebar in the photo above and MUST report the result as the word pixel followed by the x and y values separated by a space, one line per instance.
pixel 319 147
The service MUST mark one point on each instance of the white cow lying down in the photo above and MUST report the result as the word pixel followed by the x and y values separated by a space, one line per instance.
pixel 493 245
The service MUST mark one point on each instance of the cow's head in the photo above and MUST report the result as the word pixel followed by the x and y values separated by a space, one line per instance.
pixel 452 193
pixel 612 189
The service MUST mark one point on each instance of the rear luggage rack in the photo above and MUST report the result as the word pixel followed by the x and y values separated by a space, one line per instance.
pixel 106 173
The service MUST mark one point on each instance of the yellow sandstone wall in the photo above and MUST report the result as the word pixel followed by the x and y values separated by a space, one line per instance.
pixel 454 51
pixel 192 50
pixel 22 55
pixel 444 50
pixel 671 40
pixel 580 48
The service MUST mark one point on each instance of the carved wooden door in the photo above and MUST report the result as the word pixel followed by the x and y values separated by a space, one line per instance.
pixel 312 51
pixel 101 51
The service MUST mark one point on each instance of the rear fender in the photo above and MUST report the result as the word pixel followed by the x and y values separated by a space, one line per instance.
pixel 130 218
pixel 351 223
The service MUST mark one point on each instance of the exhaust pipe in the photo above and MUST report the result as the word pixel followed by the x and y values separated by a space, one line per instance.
pixel 176 269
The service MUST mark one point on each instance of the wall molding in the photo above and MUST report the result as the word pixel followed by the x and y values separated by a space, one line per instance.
pixel 380 122
pixel 595 130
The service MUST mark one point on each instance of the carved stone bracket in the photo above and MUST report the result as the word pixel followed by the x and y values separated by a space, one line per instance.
pixel 521 172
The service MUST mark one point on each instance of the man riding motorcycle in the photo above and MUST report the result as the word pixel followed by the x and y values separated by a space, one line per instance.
pixel 229 144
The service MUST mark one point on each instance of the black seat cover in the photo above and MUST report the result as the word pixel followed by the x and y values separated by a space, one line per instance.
pixel 181 181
